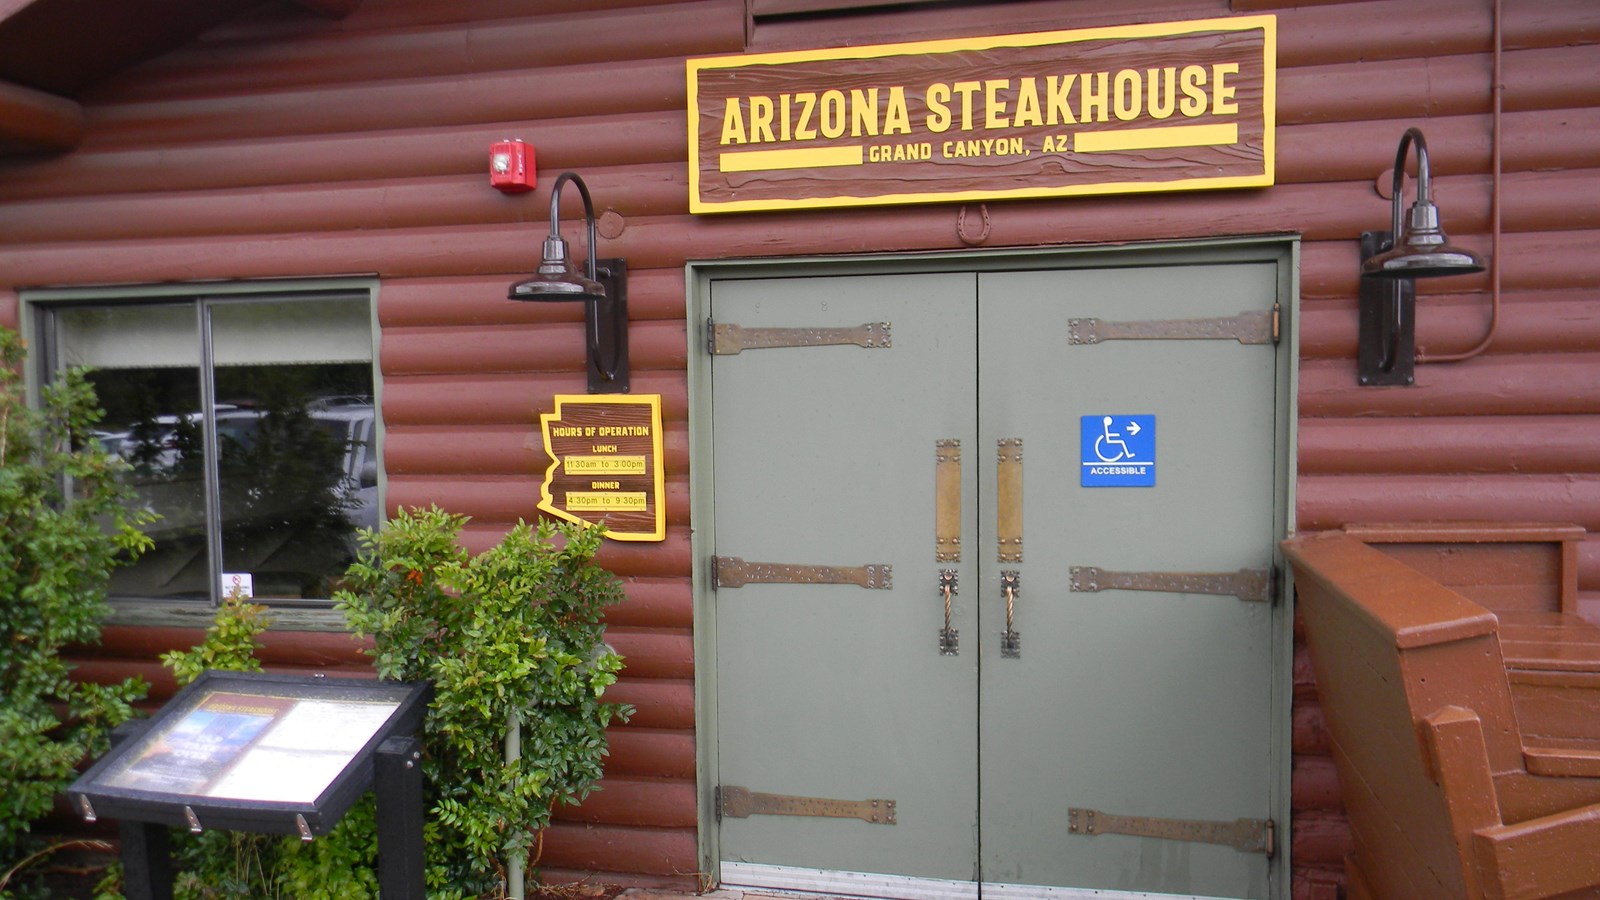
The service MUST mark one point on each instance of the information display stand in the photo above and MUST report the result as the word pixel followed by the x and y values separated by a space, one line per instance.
pixel 281 754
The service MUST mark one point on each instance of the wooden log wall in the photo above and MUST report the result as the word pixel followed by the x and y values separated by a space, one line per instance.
pixel 293 144
pixel 286 144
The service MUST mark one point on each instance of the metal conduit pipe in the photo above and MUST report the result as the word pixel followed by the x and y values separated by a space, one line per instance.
pixel 1495 91
pixel 516 863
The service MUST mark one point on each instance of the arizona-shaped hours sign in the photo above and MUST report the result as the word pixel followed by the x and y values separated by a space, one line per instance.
pixel 606 464
pixel 1152 107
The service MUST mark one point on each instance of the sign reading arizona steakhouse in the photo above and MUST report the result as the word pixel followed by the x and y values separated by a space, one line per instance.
pixel 1158 107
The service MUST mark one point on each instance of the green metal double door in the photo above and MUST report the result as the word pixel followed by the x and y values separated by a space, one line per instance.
pixel 944 665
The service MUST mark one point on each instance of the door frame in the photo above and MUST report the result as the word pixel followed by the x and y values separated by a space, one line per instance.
pixel 1281 250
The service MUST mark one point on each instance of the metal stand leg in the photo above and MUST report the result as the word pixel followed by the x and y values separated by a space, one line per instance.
pixel 397 782
pixel 146 847
pixel 146 861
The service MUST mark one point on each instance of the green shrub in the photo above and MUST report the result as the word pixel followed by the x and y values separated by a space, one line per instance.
pixel 230 643
pixel 63 527
pixel 513 632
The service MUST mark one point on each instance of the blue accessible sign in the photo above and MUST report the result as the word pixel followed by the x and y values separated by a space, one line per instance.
pixel 1119 451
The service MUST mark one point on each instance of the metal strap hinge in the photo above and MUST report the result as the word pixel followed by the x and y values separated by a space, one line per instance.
pixel 1251 327
pixel 1243 835
pixel 730 340
pixel 736 802
pixel 733 572
pixel 1255 585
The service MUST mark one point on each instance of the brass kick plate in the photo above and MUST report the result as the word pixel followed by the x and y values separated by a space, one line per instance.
pixel 730 340
pixel 1247 584
pixel 733 572
pixel 1260 327
pixel 738 803
pixel 1243 835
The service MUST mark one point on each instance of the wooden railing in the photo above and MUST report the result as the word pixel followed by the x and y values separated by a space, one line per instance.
pixel 1446 795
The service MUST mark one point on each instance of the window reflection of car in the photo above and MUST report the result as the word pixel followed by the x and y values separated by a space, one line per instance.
pixel 156 453
pixel 348 426
pixel 157 445
pixel 110 442
pixel 294 486
pixel 351 425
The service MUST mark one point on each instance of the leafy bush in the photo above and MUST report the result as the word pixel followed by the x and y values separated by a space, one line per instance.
pixel 240 865
pixel 514 632
pixel 63 526
pixel 230 643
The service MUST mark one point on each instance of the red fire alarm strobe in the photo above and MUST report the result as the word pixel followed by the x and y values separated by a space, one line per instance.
pixel 511 168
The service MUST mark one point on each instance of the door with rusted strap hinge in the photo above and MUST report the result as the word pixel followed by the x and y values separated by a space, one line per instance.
pixel 832 692
pixel 1128 745
pixel 994 603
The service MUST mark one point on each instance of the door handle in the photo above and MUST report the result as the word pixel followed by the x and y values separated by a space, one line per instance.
pixel 949 638
pixel 1008 535
pixel 947 531
pixel 1011 641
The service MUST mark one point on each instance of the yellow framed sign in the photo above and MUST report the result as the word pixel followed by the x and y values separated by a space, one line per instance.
pixel 606 464
pixel 1135 108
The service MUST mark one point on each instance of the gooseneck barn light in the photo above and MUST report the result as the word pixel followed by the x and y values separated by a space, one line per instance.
pixel 602 286
pixel 1391 261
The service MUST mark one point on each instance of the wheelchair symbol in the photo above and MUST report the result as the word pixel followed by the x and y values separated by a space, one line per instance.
pixel 1109 440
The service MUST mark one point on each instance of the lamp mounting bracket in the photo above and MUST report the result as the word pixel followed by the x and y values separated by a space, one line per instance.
pixel 1386 350
pixel 608 322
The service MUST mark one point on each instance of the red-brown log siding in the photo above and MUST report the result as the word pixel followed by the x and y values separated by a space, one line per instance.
pixel 288 144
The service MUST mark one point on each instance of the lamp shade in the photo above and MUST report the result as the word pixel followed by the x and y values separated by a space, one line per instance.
pixel 1422 250
pixel 556 279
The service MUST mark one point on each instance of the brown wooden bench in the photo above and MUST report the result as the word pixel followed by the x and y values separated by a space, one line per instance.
pixel 1502 566
pixel 1446 798
pixel 1527 575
